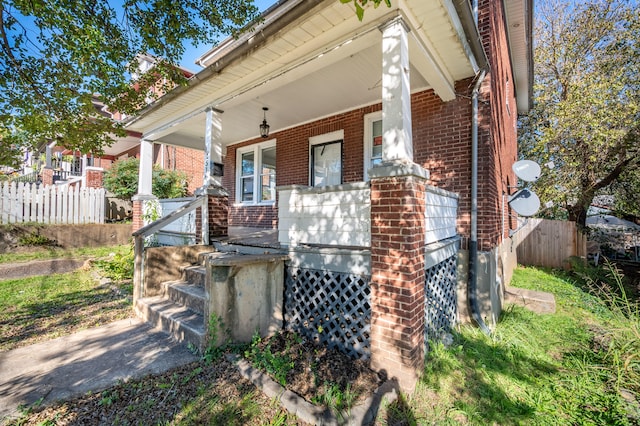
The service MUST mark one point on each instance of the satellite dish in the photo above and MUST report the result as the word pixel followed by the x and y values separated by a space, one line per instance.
pixel 524 202
pixel 527 170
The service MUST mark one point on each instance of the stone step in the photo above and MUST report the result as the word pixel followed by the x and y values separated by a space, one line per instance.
pixel 194 274
pixel 182 323
pixel 185 293
pixel 539 302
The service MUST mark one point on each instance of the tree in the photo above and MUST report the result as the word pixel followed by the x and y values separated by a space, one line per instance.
pixel 56 55
pixel 361 4
pixel 586 107
pixel 122 180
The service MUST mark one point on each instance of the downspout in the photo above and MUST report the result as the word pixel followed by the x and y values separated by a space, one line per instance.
pixel 472 287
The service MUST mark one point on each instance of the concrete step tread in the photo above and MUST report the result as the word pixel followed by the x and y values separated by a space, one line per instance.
pixel 537 301
pixel 194 290
pixel 195 268
pixel 176 313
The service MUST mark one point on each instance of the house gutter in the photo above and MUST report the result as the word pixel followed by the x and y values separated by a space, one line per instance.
pixel 472 285
pixel 468 14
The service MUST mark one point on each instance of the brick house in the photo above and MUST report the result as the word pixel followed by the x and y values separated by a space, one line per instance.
pixel 386 161
pixel 68 166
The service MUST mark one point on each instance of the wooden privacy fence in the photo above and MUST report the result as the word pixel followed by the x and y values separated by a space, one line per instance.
pixel 543 242
pixel 61 204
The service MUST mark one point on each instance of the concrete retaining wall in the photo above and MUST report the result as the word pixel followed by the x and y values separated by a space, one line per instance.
pixel 67 236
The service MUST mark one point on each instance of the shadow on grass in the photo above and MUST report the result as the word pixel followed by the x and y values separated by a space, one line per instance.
pixel 469 383
pixel 62 313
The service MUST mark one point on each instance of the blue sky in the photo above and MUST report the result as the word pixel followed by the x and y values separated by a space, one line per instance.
pixel 192 53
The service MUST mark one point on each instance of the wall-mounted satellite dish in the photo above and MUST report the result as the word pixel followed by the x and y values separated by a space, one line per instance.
pixel 527 170
pixel 524 202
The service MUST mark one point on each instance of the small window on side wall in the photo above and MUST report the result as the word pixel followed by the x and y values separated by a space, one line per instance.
pixel 325 159
pixel 372 141
pixel 256 173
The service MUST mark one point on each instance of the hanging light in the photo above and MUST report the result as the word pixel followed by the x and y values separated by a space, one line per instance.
pixel 264 127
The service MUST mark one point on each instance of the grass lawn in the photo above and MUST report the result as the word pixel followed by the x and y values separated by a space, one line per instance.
pixel 45 307
pixel 25 254
pixel 580 365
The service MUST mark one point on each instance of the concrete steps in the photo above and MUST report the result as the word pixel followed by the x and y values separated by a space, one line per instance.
pixel 179 310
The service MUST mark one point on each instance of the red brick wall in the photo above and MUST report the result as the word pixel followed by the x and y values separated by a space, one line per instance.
pixel 498 147
pixel 189 161
pixel 442 143
pixel 397 280
pixel 292 162
pixel 218 216
pixel 138 222
pixel 93 178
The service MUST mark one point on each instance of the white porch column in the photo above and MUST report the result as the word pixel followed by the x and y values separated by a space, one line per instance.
pixel 214 220
pixel 397 143
pixel 213 149
pixel 145 176
pixel 83 167
pixel 146 168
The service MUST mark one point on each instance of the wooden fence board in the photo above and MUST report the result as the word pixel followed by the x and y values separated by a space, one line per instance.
pixel 26 202
pixel 542 242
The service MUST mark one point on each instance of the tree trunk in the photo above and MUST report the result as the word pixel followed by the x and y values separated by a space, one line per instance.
pixel 578 214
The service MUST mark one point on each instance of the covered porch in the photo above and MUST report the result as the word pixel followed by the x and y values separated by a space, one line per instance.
pixel 365 224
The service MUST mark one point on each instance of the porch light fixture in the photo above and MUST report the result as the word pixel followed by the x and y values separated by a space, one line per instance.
pixel 264 127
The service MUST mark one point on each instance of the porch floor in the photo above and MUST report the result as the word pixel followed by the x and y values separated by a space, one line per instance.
pixel 255 237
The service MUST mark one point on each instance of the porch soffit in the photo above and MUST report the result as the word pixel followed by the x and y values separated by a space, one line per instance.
pixel 519 21
pixel 323 63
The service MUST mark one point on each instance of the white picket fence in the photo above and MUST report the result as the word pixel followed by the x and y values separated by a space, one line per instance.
pixel 25 202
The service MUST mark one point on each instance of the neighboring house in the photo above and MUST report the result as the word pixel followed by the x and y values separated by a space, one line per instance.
pixel 387 160
pixel 614 237
pixel 62 165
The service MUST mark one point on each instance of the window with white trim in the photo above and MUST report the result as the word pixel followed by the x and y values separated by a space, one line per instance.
pixel 372 141
pixel 256 173
pixel 325 158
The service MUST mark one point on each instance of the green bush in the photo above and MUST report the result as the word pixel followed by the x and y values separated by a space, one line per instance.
pixel 119 267
pixel 35 239
pixel 122 180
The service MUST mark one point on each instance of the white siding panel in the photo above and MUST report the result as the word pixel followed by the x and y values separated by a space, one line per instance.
pixel 334 216
pixel 441 213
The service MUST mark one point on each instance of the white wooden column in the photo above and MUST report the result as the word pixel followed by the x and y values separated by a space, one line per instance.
pixel 212 148
pixel 145 173
pixel 397 143
pixel 48 163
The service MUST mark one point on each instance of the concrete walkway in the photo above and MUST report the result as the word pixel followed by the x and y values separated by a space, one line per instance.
pixel 90 360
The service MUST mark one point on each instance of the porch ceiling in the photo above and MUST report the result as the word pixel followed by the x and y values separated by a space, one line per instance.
pixel 323 62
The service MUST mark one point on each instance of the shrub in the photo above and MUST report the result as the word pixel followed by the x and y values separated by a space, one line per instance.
pixel 122 180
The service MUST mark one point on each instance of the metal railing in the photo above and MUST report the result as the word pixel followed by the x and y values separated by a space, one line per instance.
pixel 150 229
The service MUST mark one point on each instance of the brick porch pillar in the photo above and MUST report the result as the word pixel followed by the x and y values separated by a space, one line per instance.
pixel 397 271
pixel 217 219
pixel 94 177
pixel 47 176
pixel 138 203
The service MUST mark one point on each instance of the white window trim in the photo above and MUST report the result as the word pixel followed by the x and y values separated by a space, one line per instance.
pixel 320 139
pixel 369 119
pixel 257 158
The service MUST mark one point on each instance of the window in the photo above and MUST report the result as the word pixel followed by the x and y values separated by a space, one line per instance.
pixel 326 159
pixel 256 173
pixel 372 141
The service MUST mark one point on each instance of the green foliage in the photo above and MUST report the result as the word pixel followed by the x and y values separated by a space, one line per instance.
pixel 35 239
pixel 361 4
pixel 122 179
pixel 119 267
pixel 586 102
pixel 56 55
pixel 215 348
pixel 276 364
pixel 336 399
